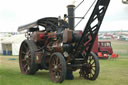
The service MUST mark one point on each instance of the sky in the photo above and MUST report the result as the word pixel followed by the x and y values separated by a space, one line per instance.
pixel 14 13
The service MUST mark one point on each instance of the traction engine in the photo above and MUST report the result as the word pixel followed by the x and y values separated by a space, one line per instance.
pixel 59 48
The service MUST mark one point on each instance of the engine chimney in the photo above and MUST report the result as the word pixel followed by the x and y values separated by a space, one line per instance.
pixel 71 16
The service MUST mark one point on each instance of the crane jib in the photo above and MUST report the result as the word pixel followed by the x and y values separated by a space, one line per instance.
pixel 92 27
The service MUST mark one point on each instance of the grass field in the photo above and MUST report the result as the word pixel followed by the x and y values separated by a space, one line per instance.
pixel 120 47
pixel 112 72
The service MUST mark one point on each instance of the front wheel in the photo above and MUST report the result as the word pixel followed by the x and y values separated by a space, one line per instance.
pixel 91 68
pixel 57 67
pixel 27 57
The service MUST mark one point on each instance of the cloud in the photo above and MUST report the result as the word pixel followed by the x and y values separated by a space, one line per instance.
pixel 14 13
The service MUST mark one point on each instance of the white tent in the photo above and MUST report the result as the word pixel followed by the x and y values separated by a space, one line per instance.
pixel 12 43
pixel 0 47
pixel 1 39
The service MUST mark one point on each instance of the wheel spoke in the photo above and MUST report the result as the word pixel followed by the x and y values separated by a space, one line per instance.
pixel 59 66
pixel 94 66
pixel 57 72
pixel 57 75
pixel 29 53
pixel 23 60
pixel 23 52
pixel 26 58
pixel 26 65
pixel 93 63
pixel 29 60
pixel 57 60
pixel 90 59
pixel 54 61
pixel 91 70
pixel 26 68
pixel 92 75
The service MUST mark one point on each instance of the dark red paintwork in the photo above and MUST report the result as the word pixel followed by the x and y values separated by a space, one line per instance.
pixel 95 46
pixel 105 46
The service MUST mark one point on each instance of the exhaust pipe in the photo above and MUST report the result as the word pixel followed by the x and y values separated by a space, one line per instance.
pixel 71 16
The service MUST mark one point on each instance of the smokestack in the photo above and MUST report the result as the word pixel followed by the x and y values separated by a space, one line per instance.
pixel 71 16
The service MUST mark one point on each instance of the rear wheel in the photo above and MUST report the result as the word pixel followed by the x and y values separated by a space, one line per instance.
pixel 91 69
pixel 27 57
pixel 57 67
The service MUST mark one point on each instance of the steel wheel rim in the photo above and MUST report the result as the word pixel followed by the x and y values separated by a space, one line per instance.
pixel 90 68
pixel 25 59
pixel 55 69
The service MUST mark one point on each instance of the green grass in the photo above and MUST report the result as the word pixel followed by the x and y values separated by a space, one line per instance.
pixel 120 47
pixel 112 72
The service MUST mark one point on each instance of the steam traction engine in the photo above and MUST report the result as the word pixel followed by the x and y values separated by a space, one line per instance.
pixel 59 48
